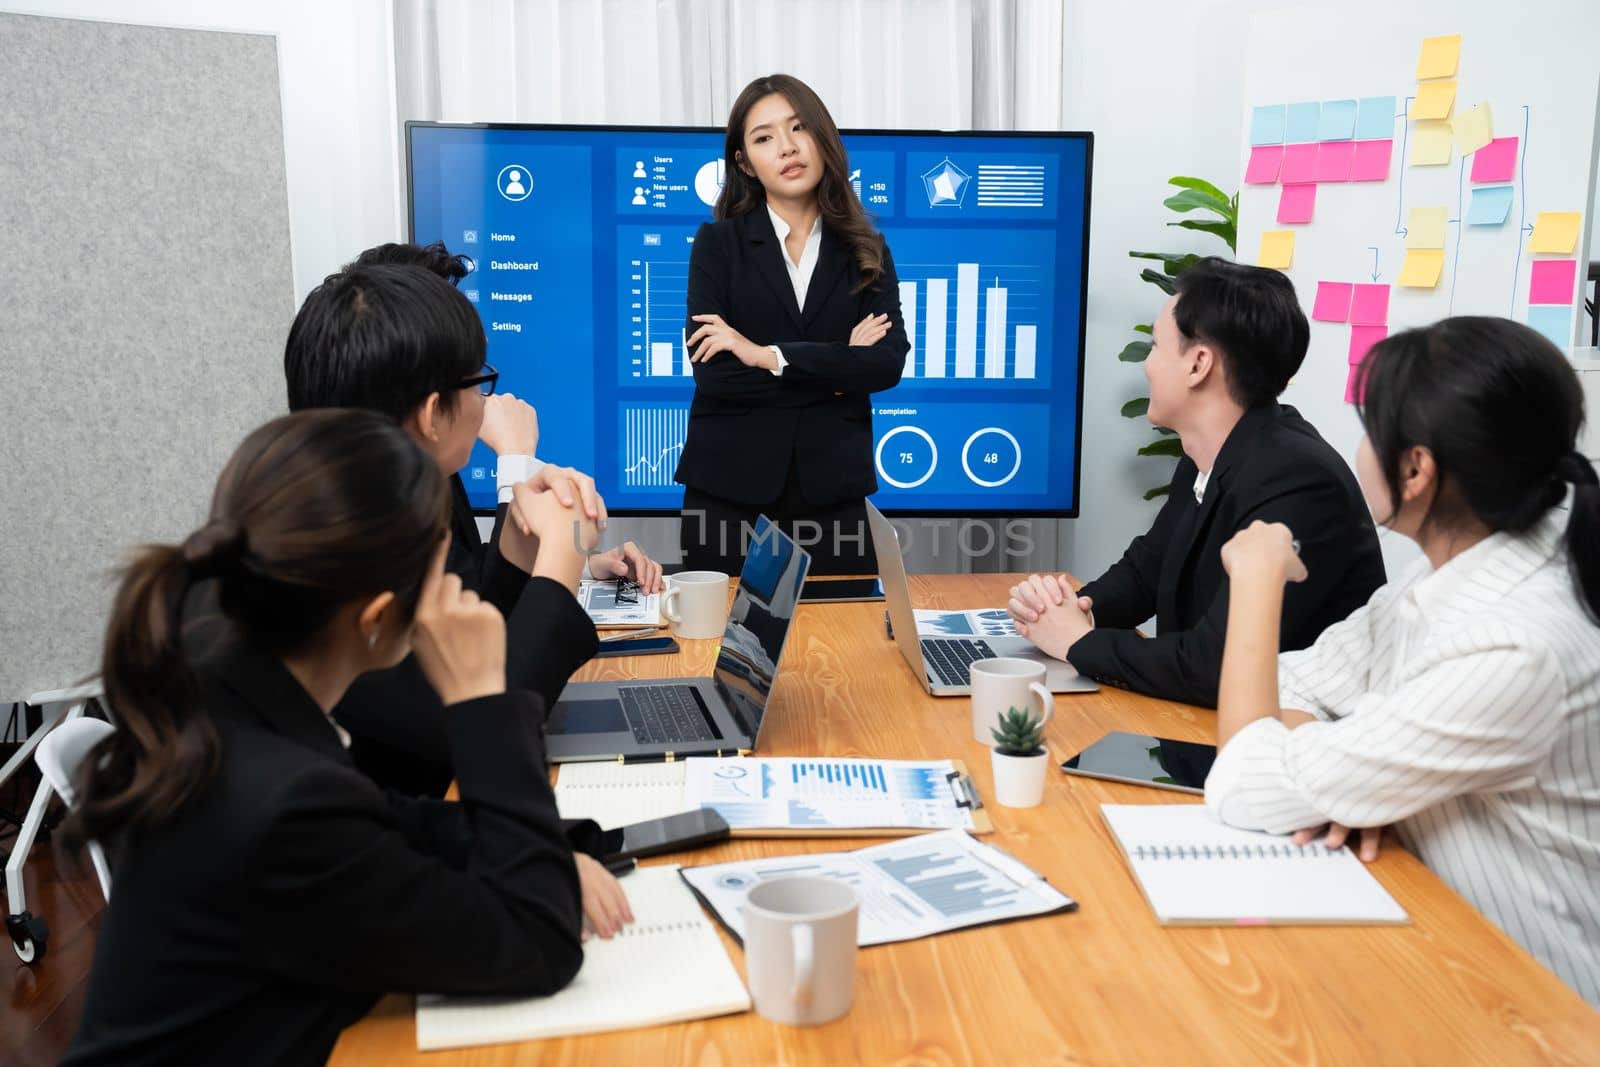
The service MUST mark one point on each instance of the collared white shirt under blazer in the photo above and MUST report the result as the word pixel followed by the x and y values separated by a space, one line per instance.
pixel 1462 706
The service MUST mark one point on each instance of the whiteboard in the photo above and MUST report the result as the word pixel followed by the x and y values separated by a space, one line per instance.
pixel 1536 67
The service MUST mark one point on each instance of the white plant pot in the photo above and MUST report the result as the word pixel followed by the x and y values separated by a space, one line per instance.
pixel 1019 780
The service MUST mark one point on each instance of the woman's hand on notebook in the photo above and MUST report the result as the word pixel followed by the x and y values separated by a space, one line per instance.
pixel 605 904
pixel 1336 835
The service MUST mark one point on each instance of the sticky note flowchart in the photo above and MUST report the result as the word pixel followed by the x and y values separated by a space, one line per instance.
pixel 1277 249
pixel 1556 232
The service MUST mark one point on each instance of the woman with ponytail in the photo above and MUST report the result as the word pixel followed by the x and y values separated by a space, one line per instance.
pixel 1462 704
pixel 266 892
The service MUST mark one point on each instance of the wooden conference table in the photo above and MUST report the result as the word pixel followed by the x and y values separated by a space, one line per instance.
pixel 1104 985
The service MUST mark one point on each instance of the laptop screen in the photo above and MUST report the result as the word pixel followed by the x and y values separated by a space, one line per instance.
pixel 758 623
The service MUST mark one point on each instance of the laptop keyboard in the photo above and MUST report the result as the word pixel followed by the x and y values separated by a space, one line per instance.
pixel 664 714
pixel 950 657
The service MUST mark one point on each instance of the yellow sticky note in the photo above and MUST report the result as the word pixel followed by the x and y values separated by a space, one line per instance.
pixel 1422 268
pixel 1439 57
pixel 1425 228
pixel 1430 144
pixel 1277 249
pixel 1474 128
pixel 1433 100
pixel 1555 231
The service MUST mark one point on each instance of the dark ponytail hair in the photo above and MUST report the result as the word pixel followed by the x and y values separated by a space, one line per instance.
pixel 314 510
pixel 1500 408
pixel 839 206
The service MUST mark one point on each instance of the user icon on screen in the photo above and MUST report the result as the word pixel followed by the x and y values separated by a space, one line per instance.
pixel 638 168
pixel 514 186
pixel 638 196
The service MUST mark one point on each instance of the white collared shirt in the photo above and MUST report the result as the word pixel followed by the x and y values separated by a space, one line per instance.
pixel 1201 480
pixel 1463 706
pixel 799 273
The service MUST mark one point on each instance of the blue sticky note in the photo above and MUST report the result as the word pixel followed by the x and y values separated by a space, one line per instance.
pixel 1491 205
pixel 1555 322
pixel 1266 124
pixel 1376 122
pixel 1338 121
pixel 1302 123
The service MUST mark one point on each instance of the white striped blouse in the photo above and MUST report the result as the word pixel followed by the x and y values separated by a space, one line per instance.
pixel 1462 705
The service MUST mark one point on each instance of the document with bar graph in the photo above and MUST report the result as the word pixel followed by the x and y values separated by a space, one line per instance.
pixel 912 888
pixel 822 796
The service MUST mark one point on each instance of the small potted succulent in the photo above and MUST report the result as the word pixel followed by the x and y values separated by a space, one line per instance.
pixel 1020 759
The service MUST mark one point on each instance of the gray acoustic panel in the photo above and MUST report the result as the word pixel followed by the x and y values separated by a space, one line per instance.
pixel 145 222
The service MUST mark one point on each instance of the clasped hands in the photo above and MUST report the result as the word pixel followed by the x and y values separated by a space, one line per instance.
pixel 1048 612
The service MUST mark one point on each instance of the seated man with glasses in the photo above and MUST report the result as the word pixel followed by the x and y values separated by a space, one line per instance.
pixel 402 341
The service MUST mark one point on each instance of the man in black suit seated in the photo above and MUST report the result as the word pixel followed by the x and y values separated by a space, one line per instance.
pixel 1225 346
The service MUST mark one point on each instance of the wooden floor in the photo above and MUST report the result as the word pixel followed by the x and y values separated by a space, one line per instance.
pixel 43 1002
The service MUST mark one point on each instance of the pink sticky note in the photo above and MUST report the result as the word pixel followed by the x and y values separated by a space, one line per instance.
pixel 1296 202
pixel 1371 162
pixel 1362 338
pixel 1264 163
pixel 1495 161
pixel 1552 281
pixel 1300 163
pixel 1333 302
pixel 1350 382
pixel 1371 305
pixel 1334 159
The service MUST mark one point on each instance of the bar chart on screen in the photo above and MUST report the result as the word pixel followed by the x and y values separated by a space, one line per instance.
pixel 654 276
pixel 652 439
pixel 985 316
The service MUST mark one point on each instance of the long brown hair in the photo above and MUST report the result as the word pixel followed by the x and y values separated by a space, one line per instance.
pixel 839 206
pixel 314 510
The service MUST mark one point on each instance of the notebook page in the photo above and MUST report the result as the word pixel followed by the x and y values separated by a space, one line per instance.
pixel 667 967
pixel 615 794
pixel 1194 869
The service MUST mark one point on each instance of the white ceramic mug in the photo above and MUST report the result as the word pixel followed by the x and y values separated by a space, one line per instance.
pixel 696 603
pixel 800 949
pixel 1004 683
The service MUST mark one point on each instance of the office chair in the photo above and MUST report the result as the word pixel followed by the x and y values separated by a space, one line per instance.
pixel 58 757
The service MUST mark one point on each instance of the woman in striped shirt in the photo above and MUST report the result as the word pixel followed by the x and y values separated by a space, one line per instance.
pixel 1462 704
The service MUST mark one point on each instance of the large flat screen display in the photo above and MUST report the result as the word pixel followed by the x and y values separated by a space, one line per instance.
pixel 580 238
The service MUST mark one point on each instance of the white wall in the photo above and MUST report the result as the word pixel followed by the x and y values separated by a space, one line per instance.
pixel 341 139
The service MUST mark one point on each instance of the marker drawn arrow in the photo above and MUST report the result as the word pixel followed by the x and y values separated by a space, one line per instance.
pixel 1405 134
pixel 1374 250
pixel 1522 211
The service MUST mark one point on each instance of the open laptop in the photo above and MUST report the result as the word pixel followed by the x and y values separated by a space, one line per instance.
pixel 676 717
pixel 941 663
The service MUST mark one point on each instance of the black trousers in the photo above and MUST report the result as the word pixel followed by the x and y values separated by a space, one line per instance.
pixel 716 532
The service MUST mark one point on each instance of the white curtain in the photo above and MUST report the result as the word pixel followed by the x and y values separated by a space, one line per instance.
pixel 892 64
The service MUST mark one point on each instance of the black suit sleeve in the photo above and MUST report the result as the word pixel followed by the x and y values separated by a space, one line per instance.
pixel 375 907
pixel 1187 665
pixel 846 368
pixel 1125 595
pixel 485 571
pixel 548 637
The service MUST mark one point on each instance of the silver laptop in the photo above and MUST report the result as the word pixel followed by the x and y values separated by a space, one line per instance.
pixel 941 663
pixel 721 715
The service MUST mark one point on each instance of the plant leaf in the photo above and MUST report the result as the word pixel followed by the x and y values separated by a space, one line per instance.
pixel 1135 352
pixel 1135 408
pixel 1194 199
pixel 1146 330
pixel 1164 446
pixel 1198 184
pixel 1160 281
pixel 1225 230
pixel 1158 491
pixel 1164 432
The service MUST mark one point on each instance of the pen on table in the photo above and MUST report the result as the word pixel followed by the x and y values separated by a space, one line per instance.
pixel 621 868
pixel 621 634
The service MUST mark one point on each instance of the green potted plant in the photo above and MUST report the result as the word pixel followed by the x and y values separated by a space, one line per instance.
pixel 1195 194
pixel 1019 758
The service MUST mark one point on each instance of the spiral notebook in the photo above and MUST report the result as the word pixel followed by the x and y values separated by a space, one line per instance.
pixel 1196 871
pixel 669 966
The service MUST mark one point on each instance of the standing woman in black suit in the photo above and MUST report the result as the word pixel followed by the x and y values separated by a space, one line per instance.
pixel 794 321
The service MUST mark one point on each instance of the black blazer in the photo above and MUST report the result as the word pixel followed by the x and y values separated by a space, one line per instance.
pixel 289 893
pixel 398 727
pixel 745 425
pixel 1274 467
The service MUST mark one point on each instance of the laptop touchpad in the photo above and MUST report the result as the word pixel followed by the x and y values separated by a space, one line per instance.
pixel 588 717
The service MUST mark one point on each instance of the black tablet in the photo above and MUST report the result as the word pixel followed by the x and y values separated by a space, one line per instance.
pixel 1143 760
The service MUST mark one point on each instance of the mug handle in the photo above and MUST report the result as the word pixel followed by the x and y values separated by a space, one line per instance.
pixel 1047 702
pixel 668 599
pixel 804 939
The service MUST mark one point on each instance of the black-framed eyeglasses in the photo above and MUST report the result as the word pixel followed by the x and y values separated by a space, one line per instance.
pixel 484 381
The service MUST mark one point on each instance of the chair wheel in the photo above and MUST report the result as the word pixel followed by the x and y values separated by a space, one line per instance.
pixel 30 937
